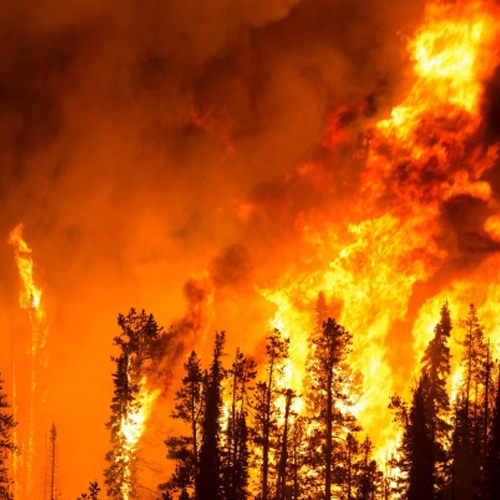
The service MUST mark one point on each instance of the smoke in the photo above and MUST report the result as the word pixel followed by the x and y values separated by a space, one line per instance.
pixel 140 142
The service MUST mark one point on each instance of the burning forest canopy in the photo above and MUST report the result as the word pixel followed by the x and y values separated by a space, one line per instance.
pixel 240 166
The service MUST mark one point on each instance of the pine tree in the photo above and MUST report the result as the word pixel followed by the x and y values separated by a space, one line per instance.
pixel 236 452
pixel 208 481
pixel 471 411
pixel 329 398
pixel 436 366
pixel 188 408
pixel 7 447
pixel 266 395
pixel 416 453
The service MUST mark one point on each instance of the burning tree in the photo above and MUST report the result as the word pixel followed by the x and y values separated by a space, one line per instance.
pixel 7 446
pixel 139 342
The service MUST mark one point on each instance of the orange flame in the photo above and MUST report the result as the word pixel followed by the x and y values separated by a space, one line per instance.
pixel 424 154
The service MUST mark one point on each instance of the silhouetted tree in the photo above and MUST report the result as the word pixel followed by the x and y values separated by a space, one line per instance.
pixel 93 492
pixel 236 453
pixel 471 411
pixel 188 408
pixel 436 365
pixel 329 397
pixel 416 453
pixel 208 481
pixel 7 446
pixel 266 395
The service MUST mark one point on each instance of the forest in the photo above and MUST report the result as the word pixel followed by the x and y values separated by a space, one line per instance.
pixel 248 435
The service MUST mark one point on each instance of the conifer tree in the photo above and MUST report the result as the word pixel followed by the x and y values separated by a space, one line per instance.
pixel 471 411
pixel 329 398
pixel 188 408
pixel 416 453
pixel 7 447
pixel 208 481
pixel 236 451
pixel 266 395
pixel 436 366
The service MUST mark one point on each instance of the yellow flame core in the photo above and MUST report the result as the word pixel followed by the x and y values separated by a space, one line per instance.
pixel 30 295
pixel 132 428
pixel 373 270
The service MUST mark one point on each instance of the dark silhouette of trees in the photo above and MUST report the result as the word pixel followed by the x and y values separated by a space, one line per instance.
pixel 416 459
pixel 93 492
pixel 188 408
pixel 436 366
pixel 208 480
pixel 266 395
pixel 471 411
pixel 236 451
pixel 329 397
pixel 7 446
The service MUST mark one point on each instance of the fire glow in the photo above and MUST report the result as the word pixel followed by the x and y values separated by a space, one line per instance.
pixel 382 263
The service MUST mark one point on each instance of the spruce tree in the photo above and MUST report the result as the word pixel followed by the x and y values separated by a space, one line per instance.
pixel 188 408
pixel 7 447
pixel 329 399
pixel 266 414
pixel 436 366
pixel 208 481
pixel 236 452
pixel 416 453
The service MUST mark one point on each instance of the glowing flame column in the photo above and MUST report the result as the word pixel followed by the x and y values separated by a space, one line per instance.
pixel 30 301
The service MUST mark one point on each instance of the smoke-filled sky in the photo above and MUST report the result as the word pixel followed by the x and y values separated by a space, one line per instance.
pixel 164 155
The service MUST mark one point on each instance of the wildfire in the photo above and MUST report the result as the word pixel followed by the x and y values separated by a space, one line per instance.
pixel 423 155
pixel 132 428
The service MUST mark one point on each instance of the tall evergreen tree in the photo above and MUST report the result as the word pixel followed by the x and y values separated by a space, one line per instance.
pixel 416 454
pixel 208 481
pixel 188 408
pixel 266 395
pixel 236 452
pixel 436 366
pixel 329 397
pixel 471 411
pixel 7 447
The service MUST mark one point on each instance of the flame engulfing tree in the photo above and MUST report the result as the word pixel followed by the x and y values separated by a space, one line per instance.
pixel 139 342
pixel 7 447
